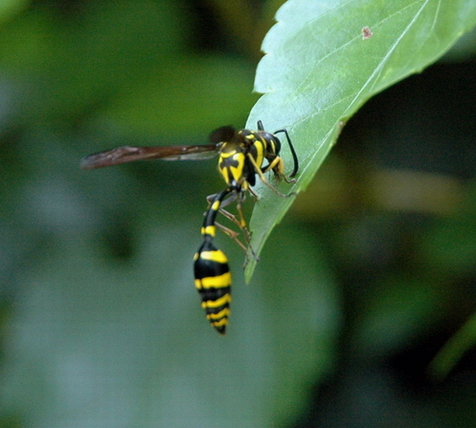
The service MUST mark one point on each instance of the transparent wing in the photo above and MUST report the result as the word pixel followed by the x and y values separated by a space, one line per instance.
pixel 129 154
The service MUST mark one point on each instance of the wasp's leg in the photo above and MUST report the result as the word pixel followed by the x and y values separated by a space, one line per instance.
pixel 276 163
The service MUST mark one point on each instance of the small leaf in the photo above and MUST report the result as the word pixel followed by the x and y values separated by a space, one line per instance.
pixel 324 60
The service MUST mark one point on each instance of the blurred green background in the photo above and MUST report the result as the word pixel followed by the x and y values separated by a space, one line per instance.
pixel 357 291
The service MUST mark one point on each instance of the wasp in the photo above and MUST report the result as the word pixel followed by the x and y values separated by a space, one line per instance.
pixel 243 155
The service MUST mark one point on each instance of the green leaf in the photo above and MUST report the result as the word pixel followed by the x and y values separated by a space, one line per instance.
pixel 324 60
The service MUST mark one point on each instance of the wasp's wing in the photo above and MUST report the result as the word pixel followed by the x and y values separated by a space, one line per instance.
pixel 129 154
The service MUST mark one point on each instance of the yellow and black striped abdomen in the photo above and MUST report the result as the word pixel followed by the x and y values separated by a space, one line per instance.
pixel 213 282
